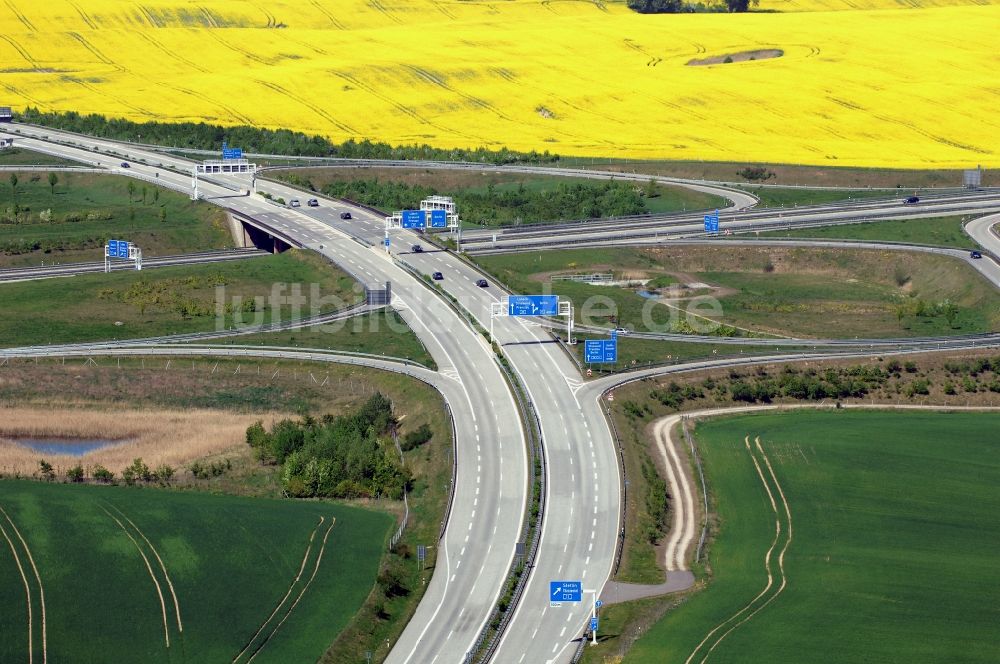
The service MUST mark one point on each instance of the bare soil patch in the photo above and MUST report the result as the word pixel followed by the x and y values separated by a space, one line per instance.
pixel 742 56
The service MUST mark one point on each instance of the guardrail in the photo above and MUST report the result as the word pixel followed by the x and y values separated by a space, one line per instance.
pixel 454 472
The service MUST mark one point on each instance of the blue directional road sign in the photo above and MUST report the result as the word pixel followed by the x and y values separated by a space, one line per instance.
pixel 386 242
pixel 593 624
pixel 122 249
pixel 231 153
pixel 600 350
pixel 439 219
pixel 112 247
pixel 533 305
pixel 599 603
pixel 413 219
pixel 565 591
pixel 712 222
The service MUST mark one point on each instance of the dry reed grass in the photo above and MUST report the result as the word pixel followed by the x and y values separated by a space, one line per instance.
pixel 171 437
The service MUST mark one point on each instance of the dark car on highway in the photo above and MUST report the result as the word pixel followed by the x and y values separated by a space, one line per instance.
pixel 437 276
pixel 345 215
pixel 125 164
pixel 910 200
pixel 417 249
pixel 312 202
pixel 482 283
pixel 975 254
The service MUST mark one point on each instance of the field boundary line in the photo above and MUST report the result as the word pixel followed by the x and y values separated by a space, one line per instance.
pixel 781 556
pixel 27 589
pixel 319 559
pixel 177 607
pixel 159 591
pixel 767 563
pixel 305 559
pixel 38 578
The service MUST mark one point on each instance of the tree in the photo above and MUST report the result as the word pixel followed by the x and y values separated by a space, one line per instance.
pixel 164 474
pixel 102 474
pixel 950 311
pixel 131 191
pixel 143 194
pixel 755 173
pixel 46 470
pixel 13 190
pixel 75 474
pixel 53 180
pixel 656 6
pixel 735 6
pixel 156 195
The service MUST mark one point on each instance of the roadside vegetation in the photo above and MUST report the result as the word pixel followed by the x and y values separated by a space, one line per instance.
pixel 127 304
pixel 861 543
pixel 937 231
pixel 501 199
pixel 271 141
pixel 21 157
pixel 763 291
pixel 68 217
pixel 791 197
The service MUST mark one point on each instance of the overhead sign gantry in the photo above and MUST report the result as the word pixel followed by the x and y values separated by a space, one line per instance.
pixel 533 305
pixel 435 212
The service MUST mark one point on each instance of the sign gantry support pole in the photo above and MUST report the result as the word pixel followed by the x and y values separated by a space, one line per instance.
pixel 593 617
pixel 497 310
pixel 194 184
pixel 566 309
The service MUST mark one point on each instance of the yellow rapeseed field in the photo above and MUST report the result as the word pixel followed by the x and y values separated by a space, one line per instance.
pixel 895 86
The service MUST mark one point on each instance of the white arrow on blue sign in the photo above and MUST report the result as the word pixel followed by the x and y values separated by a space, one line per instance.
pixel 593 624
pixel 565 591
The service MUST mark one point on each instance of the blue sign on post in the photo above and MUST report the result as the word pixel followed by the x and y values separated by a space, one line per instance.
pixel 122 249
pixel 712 222
pixel 413 219
pixel 112 247
pixel 439 219
pixel 533 305
pixel 386 242
pixel 231 153
pixel 599 604
pixel 600 350
pixel 593 624
pixel 565 591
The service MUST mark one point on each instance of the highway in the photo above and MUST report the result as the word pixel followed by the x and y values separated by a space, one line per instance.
pixel 491 485
pixel 582 500
pixel 72 269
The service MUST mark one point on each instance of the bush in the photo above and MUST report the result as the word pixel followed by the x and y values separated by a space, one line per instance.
pixel 102 474
pixel 75 474
pixel 416 438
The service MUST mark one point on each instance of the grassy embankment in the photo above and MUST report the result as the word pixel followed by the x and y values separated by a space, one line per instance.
pixel 784 291
pixel 20 157
pixel 937 231
pixel 865 546
pixel 240 388
pixel 380 333
pixel 167 300
pixel 71 221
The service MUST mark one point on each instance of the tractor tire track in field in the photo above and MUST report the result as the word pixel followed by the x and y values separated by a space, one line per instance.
pixel 211 102
pixel 152 575
pixel 20 50
pixel 155 43
pixel 83 15
pixel 326 12
pixel 318 110
pixel 429 77
pixel 752 608
pixel 14 91
pixel 21 17
pixel 38 579
pixel 96 52
pixel 378 6
pixel 302 567
pixel 272 21
pixel 236 49
pixel 319 559
pixel 27 592
pixel 163 567
pixel 151 18
pixel 682 505
pixel 122 102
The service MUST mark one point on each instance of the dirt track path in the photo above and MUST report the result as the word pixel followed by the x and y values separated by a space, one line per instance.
pixel 38 578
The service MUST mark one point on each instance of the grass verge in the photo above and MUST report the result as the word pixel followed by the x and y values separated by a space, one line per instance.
pixel 937 231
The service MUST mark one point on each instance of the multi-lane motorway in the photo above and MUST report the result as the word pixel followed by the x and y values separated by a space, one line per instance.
pixel 582 502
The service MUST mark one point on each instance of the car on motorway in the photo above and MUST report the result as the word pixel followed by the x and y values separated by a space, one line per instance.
pixel 975 254
pixel 437 276
pixel 125 164
pixel 623 330
pixel 294 203
pixel 482 283
pixel 312 202
pixel 345 215
pixel 417 249
pixel 910 200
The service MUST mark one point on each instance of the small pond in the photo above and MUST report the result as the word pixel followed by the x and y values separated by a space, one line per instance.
pixel 71 446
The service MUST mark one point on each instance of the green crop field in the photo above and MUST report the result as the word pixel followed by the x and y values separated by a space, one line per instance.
pixel 20 157
pixel 939 231
pixel 889 541
pixel 168 300
pixel 124 570
pixel 71 221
